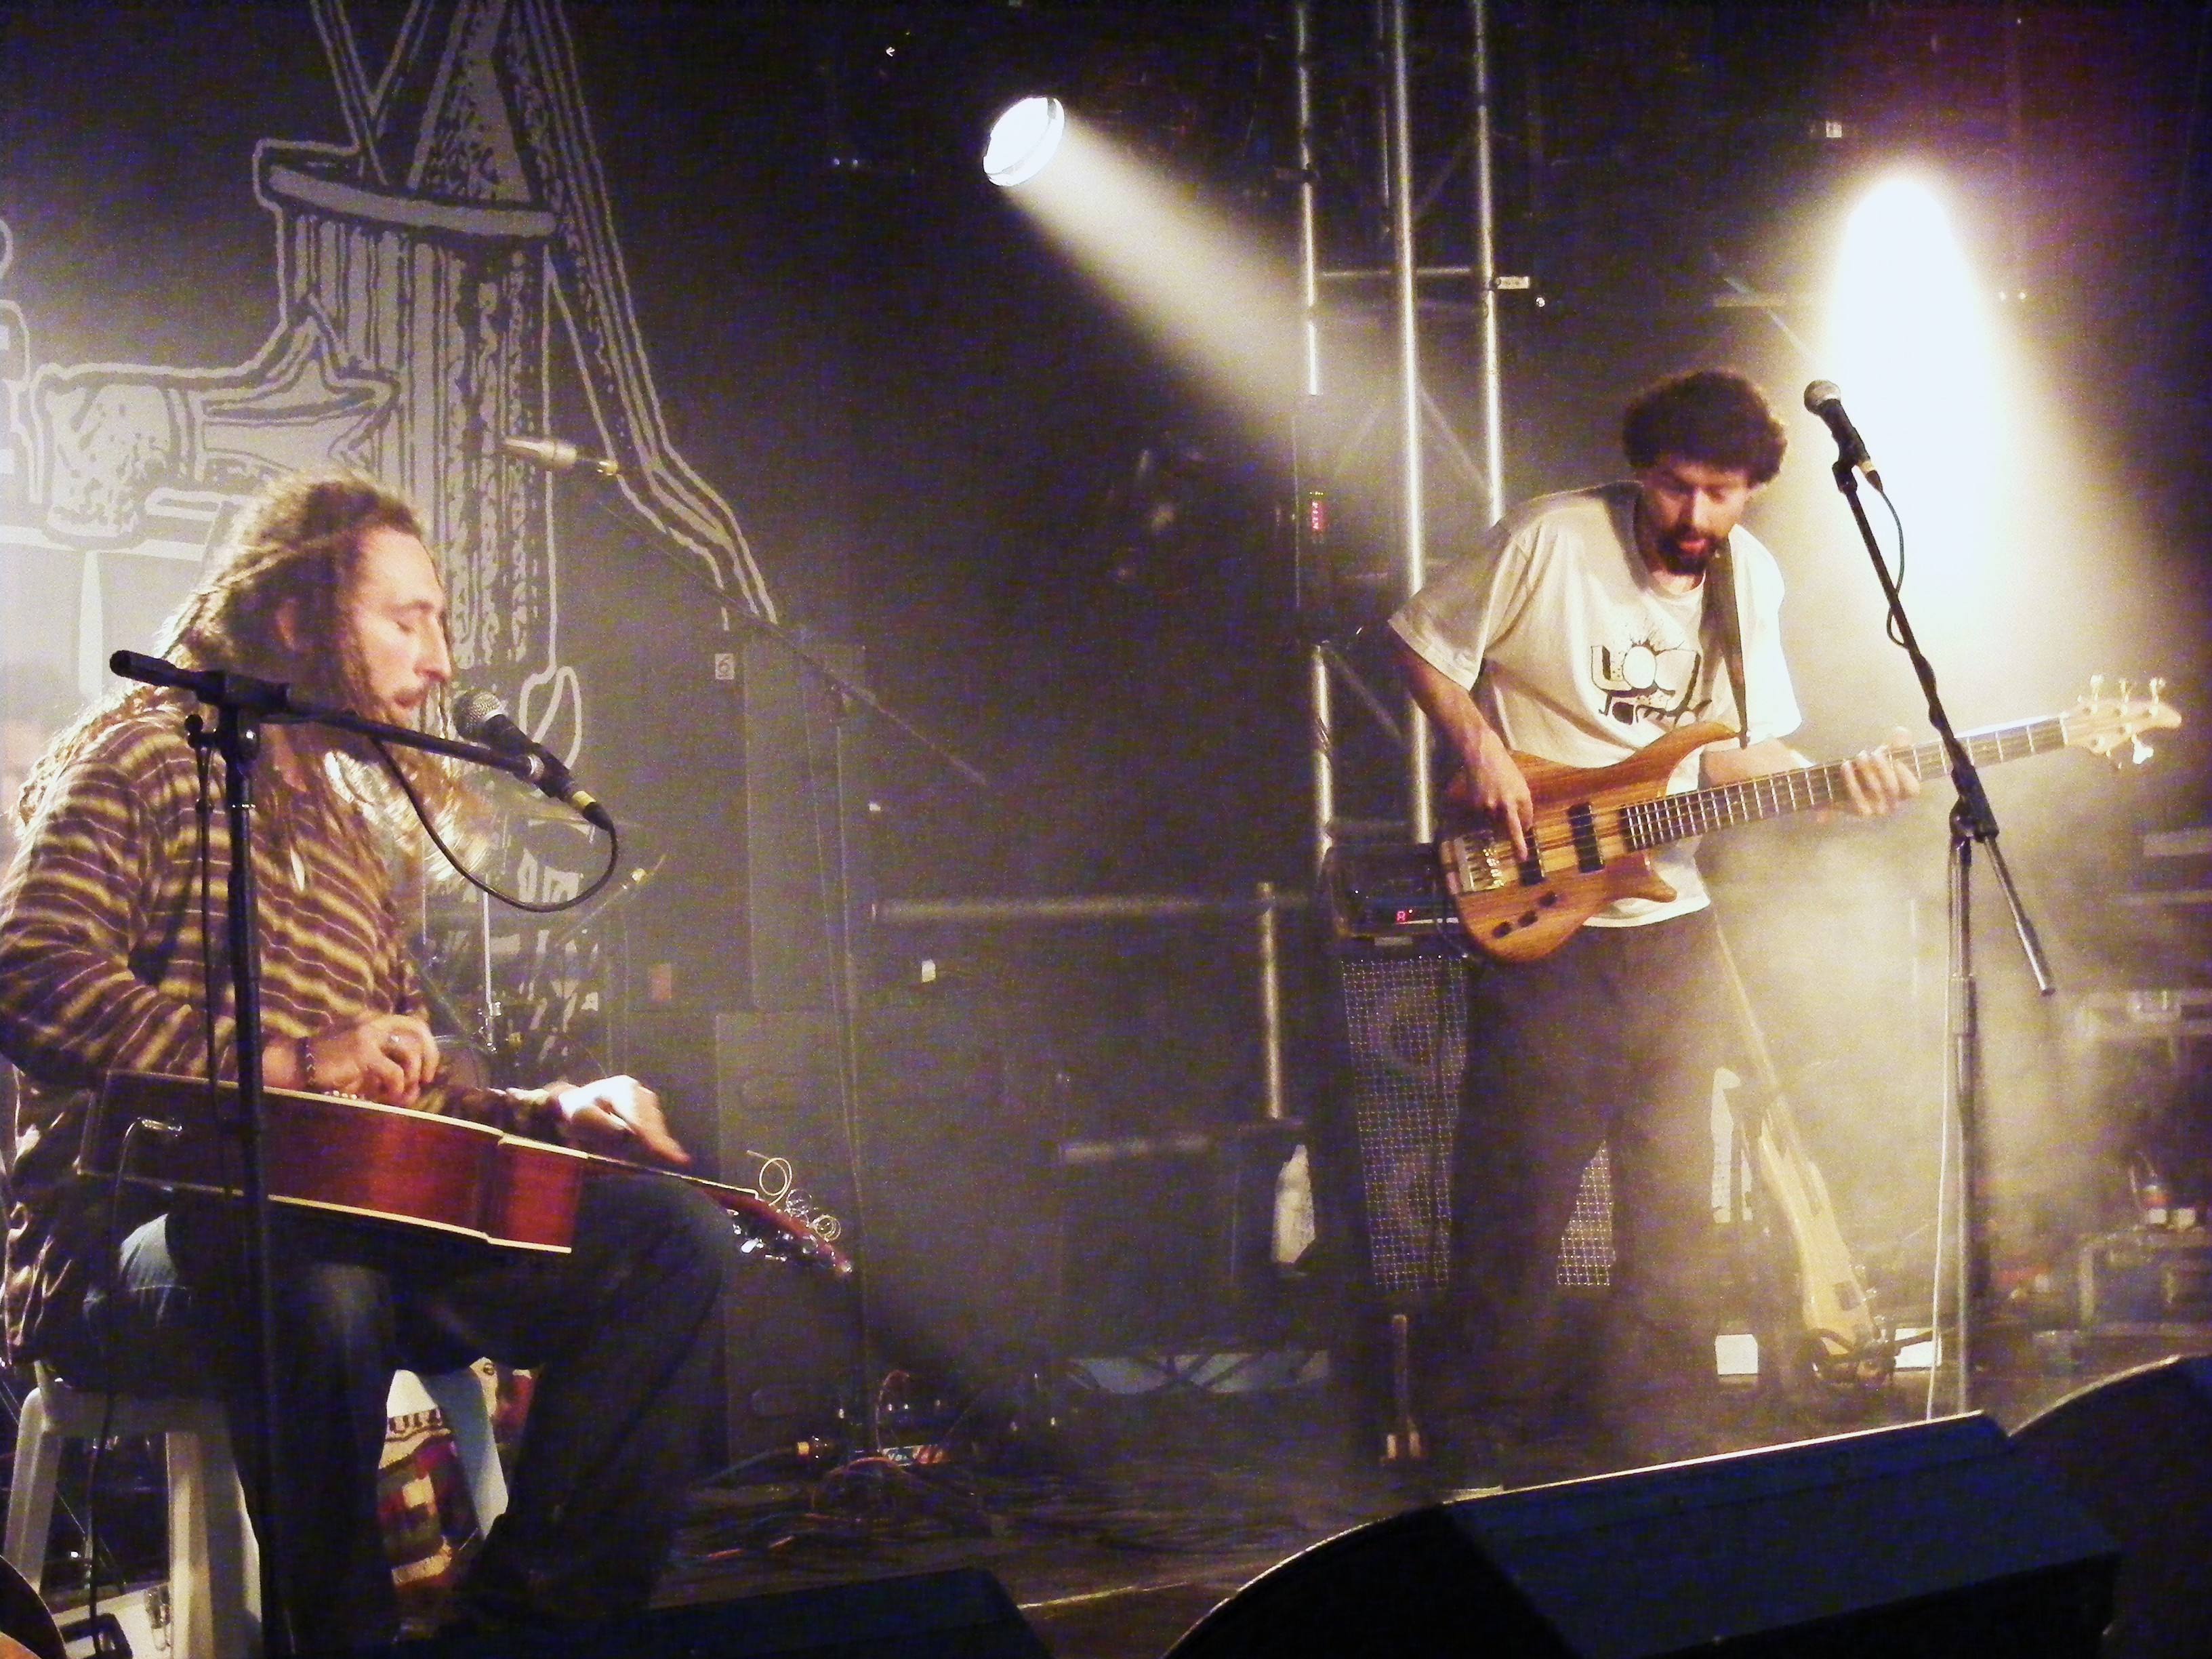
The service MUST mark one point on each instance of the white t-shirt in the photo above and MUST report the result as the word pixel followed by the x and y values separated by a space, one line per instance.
pixel 1575 655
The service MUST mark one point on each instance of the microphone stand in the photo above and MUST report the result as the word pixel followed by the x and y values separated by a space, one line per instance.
pixel 1973 821
pixel 243 705
pixel 847 695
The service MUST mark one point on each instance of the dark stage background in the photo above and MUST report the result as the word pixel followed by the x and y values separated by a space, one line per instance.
pixel 769 263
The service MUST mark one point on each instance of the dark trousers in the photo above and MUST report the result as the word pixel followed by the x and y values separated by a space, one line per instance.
pixel 1610 1041
pixel 621 1331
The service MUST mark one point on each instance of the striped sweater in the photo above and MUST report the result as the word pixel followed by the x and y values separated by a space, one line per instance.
pixel 103 963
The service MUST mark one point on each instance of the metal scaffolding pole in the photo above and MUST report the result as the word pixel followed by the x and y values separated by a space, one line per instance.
pixel 1393 182
pixel 1322 736
pixel 1420 804
pixel 1485 269
pixel 1322 742
pixel 1308 211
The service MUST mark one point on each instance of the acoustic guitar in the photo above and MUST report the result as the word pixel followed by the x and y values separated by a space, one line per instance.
pixel 1596 828
pixel 355 1157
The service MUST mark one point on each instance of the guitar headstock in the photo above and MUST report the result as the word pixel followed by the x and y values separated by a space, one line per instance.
pixel 2100 724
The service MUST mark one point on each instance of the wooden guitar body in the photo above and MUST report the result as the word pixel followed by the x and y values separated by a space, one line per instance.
pixel 1584 859
pixel 355 1157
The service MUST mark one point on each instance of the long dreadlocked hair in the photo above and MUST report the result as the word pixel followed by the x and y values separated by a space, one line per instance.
pixel 296 548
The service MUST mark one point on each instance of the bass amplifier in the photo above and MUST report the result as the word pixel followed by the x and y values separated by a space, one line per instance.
pixel 1392 898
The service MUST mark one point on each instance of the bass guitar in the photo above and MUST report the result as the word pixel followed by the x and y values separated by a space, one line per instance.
pixel 1596 828
pixel 348 1156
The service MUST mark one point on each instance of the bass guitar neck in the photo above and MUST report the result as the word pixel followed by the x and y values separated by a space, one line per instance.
pixel 1595 829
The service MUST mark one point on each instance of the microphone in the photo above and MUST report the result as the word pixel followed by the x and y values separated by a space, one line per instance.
pixel 1826 399
pixel 559 455
pixel 482 718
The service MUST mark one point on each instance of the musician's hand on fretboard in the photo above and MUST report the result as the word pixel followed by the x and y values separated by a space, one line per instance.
pixel 1876 781
pixel 619 1117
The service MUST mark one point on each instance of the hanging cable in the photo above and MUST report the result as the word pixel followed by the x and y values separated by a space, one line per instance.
pixel 429 828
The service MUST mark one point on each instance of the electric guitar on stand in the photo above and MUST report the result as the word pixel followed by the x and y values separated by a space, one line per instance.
pixel 1595 829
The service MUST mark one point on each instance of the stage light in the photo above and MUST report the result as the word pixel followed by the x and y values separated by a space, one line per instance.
pixel 1178 263
pixel 1913 349
pixel 1024 141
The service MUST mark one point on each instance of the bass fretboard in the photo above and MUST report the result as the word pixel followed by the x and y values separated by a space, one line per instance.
pixel 1696 812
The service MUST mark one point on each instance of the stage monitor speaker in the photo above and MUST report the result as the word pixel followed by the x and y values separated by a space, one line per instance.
pixel 964 1614
pixel 1932 1540
pixel 2135 1450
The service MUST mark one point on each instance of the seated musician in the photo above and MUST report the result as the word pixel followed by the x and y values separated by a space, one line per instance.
pixel 104 959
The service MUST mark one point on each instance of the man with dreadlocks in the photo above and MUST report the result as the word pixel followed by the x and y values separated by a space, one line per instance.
pixel 104 959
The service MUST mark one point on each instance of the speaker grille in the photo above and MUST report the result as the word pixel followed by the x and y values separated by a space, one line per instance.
pixel 1586 1246
pixel 1406 1027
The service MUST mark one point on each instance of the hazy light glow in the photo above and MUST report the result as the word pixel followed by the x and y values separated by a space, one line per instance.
pixel 1912 347
pixel 1024 141
pixel 1183 271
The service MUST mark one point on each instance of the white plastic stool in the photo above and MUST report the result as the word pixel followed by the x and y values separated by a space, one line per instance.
pixel 215 1575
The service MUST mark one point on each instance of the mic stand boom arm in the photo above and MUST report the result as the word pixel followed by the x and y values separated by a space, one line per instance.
pixel 243 704
pixel 844 685
pixel 1972 820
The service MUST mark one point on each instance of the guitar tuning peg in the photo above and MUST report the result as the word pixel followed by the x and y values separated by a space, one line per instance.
pixel 2157 689
pixel 2142 751
pixel 2096 688
pixel 2125 685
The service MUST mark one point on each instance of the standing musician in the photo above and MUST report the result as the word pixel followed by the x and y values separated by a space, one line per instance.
pixel 1585 626
pixel 105 959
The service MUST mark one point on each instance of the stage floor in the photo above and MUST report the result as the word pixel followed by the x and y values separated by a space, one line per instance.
pixel 1146 1512
pixel 1125 1518
pixel 1139 1516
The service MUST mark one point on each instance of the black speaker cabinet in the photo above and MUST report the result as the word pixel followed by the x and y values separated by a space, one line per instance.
pixel 1928 1541
pixel 2136 1451
pixel 960 1614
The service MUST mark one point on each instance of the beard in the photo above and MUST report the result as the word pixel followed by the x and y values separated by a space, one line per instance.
pixel 1684 553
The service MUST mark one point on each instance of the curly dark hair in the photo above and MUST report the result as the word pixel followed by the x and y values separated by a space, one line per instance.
pixel 1712 415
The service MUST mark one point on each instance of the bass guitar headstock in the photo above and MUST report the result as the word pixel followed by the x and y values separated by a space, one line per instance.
pixel 2101 724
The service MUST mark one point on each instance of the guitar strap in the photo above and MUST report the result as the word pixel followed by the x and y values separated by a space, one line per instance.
pixel 1724 627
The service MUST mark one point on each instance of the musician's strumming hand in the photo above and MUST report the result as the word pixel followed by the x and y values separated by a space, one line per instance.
pixel 1490 784
pixel 1876 782
pixel 620 1117
pixel 1497 790
pixel 386 1058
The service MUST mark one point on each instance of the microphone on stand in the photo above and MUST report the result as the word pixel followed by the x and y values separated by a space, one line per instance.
pixel 559 455
pixel 481 718
pixel 1826 399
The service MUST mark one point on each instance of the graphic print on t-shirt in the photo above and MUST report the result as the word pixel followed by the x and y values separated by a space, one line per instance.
pixel 1650 678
